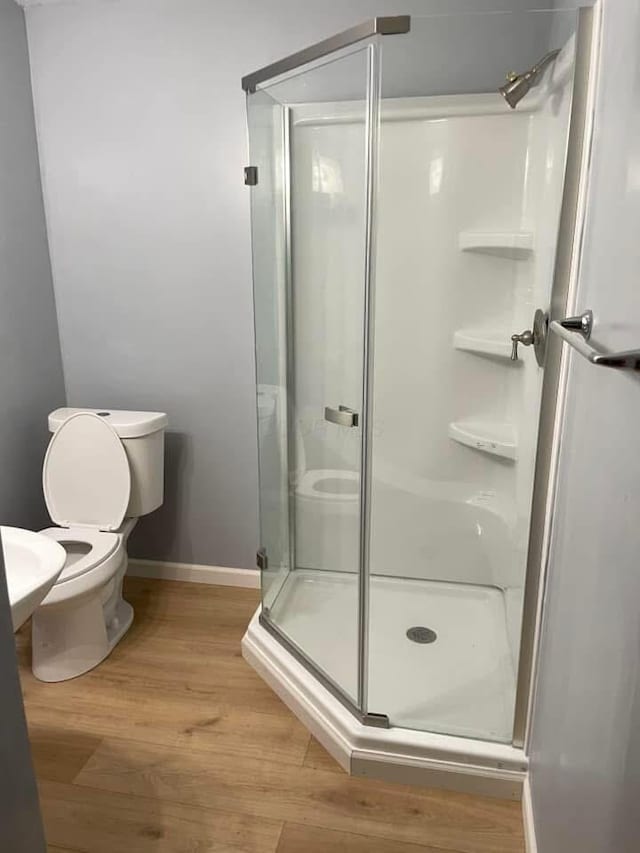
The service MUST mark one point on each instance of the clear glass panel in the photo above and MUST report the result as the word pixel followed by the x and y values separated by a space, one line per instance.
pixel 309 218
pixel 467 216
pixel 266 119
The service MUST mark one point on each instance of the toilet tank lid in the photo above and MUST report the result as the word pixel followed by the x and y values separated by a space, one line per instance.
pixel 126 424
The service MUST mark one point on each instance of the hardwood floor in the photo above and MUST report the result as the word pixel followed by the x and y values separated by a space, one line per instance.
pixel 174 744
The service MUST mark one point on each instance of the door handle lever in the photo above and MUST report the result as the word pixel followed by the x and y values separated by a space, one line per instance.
pixel 342 416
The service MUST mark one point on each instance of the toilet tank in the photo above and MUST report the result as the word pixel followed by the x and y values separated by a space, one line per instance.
pixel 142 435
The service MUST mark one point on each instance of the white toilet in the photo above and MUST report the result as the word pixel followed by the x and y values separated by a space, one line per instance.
pixel 102 470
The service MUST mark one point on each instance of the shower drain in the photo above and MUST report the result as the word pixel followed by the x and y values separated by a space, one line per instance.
pixel 420 634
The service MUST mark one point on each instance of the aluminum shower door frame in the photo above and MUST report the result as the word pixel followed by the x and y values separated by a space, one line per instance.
pixel 570 233
pixel 380 26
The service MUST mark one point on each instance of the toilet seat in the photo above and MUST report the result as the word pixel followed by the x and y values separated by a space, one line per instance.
pixel 77 581
pixel 328 484
pixel 101 546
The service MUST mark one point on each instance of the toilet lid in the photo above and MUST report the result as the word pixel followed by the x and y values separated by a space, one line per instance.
pixel 86 477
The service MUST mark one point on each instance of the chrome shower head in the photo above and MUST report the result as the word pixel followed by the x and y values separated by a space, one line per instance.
pixel 518 85
pixel 515 88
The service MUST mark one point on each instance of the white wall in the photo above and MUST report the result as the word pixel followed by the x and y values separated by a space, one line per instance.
pixel 585 749
pixel 142 141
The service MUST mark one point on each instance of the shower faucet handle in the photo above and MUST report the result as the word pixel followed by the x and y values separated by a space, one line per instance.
pixel 536 337
pixel 525 338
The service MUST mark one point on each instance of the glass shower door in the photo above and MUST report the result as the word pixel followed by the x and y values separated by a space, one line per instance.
pixel 309 214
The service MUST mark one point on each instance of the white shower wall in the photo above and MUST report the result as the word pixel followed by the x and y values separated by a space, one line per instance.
pixel 445 171
pixel 451 169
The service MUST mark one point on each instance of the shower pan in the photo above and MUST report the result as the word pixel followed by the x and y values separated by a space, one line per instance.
pixel 410 215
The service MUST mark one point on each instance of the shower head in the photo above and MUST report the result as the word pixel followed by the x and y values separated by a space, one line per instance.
pixel 518 85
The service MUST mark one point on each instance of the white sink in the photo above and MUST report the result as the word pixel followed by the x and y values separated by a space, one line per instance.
pixel 32 564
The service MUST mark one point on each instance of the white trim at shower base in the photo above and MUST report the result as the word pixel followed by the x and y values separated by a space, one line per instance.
pixel 395 755
pixel 530 843
pixel 193 573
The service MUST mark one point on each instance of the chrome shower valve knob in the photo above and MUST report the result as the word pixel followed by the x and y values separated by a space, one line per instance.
pixel 525 338
pixel 536 337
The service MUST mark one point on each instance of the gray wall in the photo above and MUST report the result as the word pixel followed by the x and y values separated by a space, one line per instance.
pixel 142 136
pixel 585 753
pixel 31 380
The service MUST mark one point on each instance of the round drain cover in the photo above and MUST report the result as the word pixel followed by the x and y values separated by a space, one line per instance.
pixel 420 634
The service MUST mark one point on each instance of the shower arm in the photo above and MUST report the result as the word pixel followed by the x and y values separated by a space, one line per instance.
pixel 536 70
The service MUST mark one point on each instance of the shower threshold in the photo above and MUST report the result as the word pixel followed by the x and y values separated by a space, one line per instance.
pixel 463 682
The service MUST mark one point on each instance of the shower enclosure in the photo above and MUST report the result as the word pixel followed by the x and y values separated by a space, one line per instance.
pixel 408 219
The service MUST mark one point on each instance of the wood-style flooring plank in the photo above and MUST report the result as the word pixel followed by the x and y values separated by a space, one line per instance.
pixel 297 838
pixel 167 719
pixel 59 754
pixel 216 613
pixel 317 757
pixel 94 821
pixel 170 666
pixel 320 798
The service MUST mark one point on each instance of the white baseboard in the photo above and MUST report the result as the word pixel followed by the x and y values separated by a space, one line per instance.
pixel 530 844
pixel 216 575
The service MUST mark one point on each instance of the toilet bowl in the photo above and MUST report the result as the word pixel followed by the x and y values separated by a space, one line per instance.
pixel 93 476
pixel 324 484
pixel 84 615
pixel 327 514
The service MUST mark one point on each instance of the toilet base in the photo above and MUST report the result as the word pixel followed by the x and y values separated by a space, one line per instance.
pixel 120 623
pixel 71 640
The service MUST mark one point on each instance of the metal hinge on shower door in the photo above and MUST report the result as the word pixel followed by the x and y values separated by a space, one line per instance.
pixel 262 560
pixel 378 721
pixel 250 176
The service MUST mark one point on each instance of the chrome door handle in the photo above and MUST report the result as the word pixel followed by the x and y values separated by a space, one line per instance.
pixel 343 416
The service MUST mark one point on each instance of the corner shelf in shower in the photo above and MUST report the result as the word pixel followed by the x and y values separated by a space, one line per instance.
pixel 516 245
pixel 495 438
pixel 483 342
